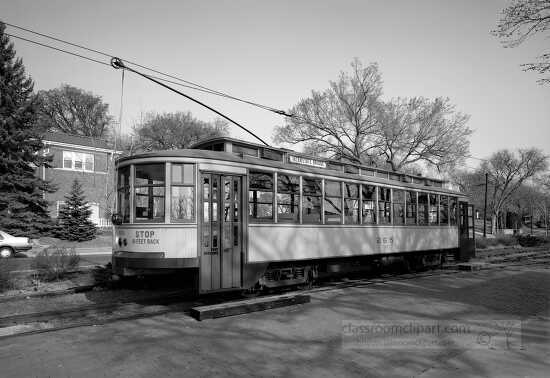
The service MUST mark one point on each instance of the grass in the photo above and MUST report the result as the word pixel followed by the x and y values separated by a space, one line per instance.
pixel 104 238
pixel 5 278
pixel 54 263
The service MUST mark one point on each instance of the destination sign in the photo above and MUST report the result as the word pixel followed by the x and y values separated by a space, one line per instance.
pixel 305 161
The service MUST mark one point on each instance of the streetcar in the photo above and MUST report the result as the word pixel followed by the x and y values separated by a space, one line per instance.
pixel 241 216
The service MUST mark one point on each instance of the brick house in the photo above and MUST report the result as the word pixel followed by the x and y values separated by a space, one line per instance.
pixel 90 161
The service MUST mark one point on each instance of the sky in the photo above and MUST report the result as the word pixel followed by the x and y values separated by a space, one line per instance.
pixel 276 52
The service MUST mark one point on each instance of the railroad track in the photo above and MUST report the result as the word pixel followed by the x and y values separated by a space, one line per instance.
pixel 182 301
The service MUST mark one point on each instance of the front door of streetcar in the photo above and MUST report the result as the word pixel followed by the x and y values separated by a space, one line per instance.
pixel 466 229
pixel 221 232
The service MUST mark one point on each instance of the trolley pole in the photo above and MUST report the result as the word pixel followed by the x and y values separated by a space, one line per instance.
pixel 485 208
pixel 532 219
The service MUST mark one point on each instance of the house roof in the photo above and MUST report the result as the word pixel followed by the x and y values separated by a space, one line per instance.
pixel 78 140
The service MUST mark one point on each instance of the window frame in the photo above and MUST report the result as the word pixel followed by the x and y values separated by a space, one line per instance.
pixel 135 186
pixel 402 203
pixel 74 156
pixel 170 184
pixel 385 208
pixel 296 193
pixel 251 218
pixel 347 197
pixel 337 199
pixel 319 197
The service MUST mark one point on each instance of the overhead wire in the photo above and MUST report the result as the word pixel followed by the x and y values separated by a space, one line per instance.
pixel 180 82
pixel 56 48
pixel 190 84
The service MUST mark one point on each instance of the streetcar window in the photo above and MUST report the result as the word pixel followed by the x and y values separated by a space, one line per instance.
pixel 433 209
pixel 245 150
pixel 452 210
pixel 123 192
pixel 398 200
pixel 410 199
pixel 311 207
pixel 288 198
pixel 351 169
pixel 369 201
pixel 260 196
pixel 351 203
pixel 443 210
pixel 333 202
pixel 423 209
pixel 182 199
pixel 149 192
pixel 384 205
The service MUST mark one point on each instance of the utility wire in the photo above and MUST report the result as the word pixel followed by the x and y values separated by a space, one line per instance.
pixel 56 48
pixel 190 84
pixel 119 64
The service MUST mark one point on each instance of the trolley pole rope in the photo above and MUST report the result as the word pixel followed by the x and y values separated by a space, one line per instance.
pixel 117 63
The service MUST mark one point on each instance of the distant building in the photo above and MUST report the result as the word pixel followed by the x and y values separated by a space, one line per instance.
pixel 87 159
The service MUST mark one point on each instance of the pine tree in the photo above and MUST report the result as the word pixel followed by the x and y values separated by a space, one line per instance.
pixel 74 217
pixel 23 209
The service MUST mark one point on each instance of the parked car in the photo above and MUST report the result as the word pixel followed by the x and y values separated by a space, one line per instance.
pixel 10 245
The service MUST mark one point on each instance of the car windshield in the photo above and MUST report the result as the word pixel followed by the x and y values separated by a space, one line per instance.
pixel 4 235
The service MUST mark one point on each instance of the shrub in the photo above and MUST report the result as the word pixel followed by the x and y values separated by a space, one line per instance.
pixel 54 263
pixel 5 278
pixel 503 240
pixel 74 217
pixel 531 241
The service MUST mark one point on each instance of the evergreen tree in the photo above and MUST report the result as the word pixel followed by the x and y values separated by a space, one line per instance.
pixel 23 209
pixel 74 217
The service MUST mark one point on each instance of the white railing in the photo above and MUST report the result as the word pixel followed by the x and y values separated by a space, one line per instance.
pixel 103 223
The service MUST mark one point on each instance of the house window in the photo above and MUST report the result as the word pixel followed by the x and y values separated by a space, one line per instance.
pixel 78 161
pixel 182 206
pixel 59 205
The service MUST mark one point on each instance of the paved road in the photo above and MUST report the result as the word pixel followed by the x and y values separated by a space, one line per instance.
pixel 307 340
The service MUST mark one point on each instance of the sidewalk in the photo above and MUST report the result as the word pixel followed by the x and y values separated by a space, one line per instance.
pixel 94 251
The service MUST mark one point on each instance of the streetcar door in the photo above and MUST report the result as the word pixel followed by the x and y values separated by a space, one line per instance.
pixel 466 231
pixel 221 229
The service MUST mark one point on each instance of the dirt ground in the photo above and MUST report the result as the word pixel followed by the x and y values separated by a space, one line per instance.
pixel 308 340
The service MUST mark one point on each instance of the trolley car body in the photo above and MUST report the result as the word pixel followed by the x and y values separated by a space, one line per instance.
pixel 239 214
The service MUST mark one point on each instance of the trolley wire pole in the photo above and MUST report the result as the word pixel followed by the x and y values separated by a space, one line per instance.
pixel 117 63
pixel 485 207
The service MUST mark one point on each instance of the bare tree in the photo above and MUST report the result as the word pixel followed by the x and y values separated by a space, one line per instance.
pixel 422 130
pixel 74 111
pixel 350 121
pixel 521 20
pixel 507 172
pixel 171 131
pixel 341 120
